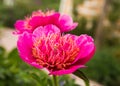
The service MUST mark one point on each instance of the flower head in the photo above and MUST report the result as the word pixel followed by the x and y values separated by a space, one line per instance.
pixel 39 18
pixel 59 54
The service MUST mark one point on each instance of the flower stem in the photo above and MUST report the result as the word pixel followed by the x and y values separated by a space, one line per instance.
pixel 55 81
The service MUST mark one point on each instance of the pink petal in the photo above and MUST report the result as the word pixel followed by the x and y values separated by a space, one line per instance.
pixel 74 37
pixel 24 45
pixel 54 18
pixel 46 29
pixel 66 23
pixel 87 58
pixel 20 28
pixel 73 26
pixel 19 25
pixel 87 48
pixel 67 71
pixel 51 29
pixel 86 45
pixel 37 21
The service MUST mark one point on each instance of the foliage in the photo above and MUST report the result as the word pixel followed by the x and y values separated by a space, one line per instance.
pixel 81 75
pixel 114 14
pixel 10 15
pixel 14 72
pixel 105 67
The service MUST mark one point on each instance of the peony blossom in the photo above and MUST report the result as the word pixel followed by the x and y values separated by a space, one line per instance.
pixel 39 18
pixel 60 54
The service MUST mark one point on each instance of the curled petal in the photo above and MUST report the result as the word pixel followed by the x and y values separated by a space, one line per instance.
pixel 24 45
pixel 45 30
pixel 19 25
pixel 87 48
pixel 67 71
pixel 87 58
pixel 66 23
pixel 38 21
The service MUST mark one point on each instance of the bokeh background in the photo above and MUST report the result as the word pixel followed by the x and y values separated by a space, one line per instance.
pixel 97 18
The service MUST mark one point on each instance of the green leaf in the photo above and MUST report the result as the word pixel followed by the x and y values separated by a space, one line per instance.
pixel 81 75
pixel 2 52
pixel 49 81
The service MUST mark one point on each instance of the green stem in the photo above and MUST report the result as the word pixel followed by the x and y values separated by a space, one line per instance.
pixel 55 81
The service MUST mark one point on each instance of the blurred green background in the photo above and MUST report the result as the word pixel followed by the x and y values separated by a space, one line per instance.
pixel 104 68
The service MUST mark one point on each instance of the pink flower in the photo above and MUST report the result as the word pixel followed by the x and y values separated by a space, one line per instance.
pixel 59 54
pixel 39 18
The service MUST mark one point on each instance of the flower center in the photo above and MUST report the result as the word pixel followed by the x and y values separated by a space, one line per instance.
pixel 55 51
